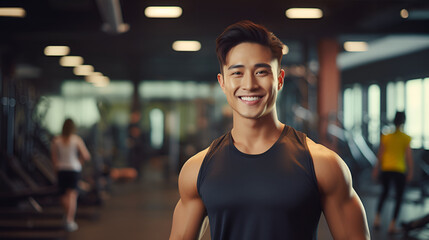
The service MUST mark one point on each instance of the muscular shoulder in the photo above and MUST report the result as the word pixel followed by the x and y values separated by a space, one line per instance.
pixel 189 174
pixel 331 171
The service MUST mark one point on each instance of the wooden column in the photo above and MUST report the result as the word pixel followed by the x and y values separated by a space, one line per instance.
pixel 328 88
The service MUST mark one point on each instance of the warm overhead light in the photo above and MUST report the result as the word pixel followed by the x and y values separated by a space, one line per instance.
pixel 304 13
pixel 83 70
pixel 355 46
pixel 101 81
pixel 163 12
pixel 186 46
pixel 285 49
pixel 71 61
pixel 404 13
pixel 93 77
pixel 56 50
pixel 12 12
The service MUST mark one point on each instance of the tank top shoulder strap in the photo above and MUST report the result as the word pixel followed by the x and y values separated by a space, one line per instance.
pixel 214 147
pixel 301 139
pixel 298 136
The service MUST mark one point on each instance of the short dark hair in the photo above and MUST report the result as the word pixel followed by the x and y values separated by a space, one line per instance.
pixel 399 118
pixel 246 31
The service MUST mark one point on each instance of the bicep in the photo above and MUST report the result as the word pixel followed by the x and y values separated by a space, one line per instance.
pixel 190 211
pixel 342 207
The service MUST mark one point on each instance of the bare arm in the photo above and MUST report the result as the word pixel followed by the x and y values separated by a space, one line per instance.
pixel 410 164
pixel 342 207
pixel 377 165
pixel 83 151
pixel 54 154
pixel 190 211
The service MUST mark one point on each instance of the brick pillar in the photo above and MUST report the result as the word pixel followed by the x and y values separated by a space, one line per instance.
pixel 328 88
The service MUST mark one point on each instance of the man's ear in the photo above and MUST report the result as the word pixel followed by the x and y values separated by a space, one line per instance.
pixel 281 78
pixel 221 81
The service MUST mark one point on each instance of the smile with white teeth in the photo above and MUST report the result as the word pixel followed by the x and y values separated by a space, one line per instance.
pixel 250 99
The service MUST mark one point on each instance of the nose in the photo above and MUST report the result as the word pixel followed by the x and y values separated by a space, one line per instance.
pixel 249 82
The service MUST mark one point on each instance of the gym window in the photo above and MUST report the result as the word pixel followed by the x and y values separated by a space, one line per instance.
pixel 374 114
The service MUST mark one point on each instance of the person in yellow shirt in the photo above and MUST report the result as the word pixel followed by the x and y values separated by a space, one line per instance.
pixel 395 164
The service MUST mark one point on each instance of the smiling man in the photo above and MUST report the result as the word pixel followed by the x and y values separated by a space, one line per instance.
pixel 263 179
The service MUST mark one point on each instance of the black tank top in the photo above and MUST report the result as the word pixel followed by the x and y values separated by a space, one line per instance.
pixel 273 195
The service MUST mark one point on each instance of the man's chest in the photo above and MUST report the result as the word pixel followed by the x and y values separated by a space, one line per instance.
pixel 258 185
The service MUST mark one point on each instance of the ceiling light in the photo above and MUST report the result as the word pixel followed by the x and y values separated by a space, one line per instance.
pixel 56 50
pixel 404 13
pixel 186 46
pixel 101 81
pixel 355 46
pixel 163 12
pixel 83 70
pixel 304 13
pixel 285 49
pixel 93 77
pixel 71 61
pixel 12 12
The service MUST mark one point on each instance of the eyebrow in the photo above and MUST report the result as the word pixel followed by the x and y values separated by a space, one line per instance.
pixel 235 66
pixel 265 65
pixel 256 65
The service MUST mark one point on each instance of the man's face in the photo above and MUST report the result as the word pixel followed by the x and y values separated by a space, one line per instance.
pixel 251 80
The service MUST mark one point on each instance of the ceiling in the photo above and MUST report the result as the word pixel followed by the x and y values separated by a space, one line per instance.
pixel 144 52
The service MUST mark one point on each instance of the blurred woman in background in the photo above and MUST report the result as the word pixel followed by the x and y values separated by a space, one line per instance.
pixel 395 164
pixel 68 155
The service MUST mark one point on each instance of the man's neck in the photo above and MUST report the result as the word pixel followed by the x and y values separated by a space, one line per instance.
pixel 256 135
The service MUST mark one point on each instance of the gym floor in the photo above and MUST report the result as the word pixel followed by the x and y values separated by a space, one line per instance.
pixel 143 210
